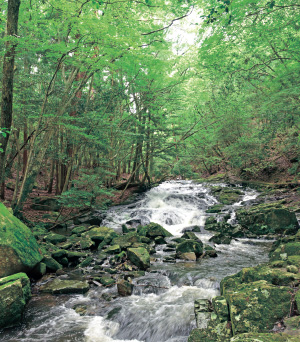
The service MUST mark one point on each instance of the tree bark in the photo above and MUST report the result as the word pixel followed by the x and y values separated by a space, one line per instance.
pixel 7 83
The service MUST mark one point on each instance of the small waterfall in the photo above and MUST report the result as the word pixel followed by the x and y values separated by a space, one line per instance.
pixel 161 308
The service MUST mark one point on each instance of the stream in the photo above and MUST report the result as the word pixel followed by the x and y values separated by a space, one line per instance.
pixel 161 308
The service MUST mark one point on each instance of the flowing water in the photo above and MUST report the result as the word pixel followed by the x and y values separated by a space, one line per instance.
pixel 161 308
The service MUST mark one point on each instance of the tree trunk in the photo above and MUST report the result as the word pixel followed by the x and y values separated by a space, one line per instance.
pixel 7 83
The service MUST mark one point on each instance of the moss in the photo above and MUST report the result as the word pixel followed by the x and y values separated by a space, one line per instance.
pixel 256 337
pixel 188 246
pixel 153 230
pixel 19 250
pixel 58 286
pixel 139 257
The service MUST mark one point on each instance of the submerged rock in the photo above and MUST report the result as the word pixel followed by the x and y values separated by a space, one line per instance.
pixel 19 251
pixel 14 294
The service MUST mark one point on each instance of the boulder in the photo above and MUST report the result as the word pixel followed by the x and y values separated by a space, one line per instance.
pixel 46 203
pixel 59 286
pixel 55 238
pixel 269 218
pixel 190 256
pixel 257 306
pixel 221 238
pixel 226 195
pixel 14 294
pixel 153 230
pixel 139 257
pixel 125 241
pixel 190 235
pixel 101 234
pixel 124 288
pixel 107 281
pixel 19 251
pixel 188 246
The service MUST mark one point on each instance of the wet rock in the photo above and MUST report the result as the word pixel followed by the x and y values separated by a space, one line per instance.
pixel 126 241
pixel 257 306
pixel 39 270
pixel 139 257
pixel 124 288
pixel 55 238
pixel 226 195
pixel 270 218
pixel 59 286
pixel 134 223
pixel 221 238
pixel 80 309
pixel 114 249
pixel 190 256
pixel 14 294
pixel 190 235
pixel 107 281
pixel 159 240
pixel 113 312
pixel 86 262
pixel 217 208
pixel 292 269
pixel 153 230
pixel 19 251
pixel 202 309
pixel 220 307
pixel 189 246
pixel 100 234
pixel 51 264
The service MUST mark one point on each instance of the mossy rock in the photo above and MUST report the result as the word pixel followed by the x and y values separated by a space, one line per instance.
pixel 268 219
pixel 14 294
pixel 217 208
pixel 226 195
pixel 46 203
pixel 80 230
pixel 19 251
pixel 51 264
pixel 153 230
pixel 114 249
pixel 268 337
pixel 107 281
pixel 221 238
pixel 59 286
pixel 190 236
pixel 286 250
pixel 188 246
pixel 99 234
pixel 220 307
pixel 257 306
pixel 126 241
pixel 139 257
pixel 294 260
pixel 55 238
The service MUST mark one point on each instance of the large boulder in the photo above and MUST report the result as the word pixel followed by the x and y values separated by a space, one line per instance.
pixel 19 251
pixel 14 294
pixel 268 219
pixel 256 307
pixel 139 257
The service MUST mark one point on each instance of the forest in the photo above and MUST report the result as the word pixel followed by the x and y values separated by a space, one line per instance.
pixel 149 151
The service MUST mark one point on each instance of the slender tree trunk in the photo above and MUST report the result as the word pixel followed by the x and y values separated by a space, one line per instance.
pixel 7 83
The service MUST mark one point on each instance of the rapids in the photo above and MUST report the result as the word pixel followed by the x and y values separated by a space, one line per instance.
pixel 161 308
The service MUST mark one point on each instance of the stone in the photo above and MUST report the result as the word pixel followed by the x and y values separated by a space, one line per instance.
pixel 124 288
pixel 126 241
pixel 190 256
pixel 217 208
pixel 139 257
pixel 115 249
pixel 107 281
pixel 14 294
pixel 100 234
pixel 46 203
pixel 190 235
pixel 220 307
pixel 39 270
pixel 226 195
pixel 80 230
pixel 257 306
pixel 59 286
pixel 189 246
pixel 19 251
pixel 159 240
pixel 202 309
pixel 292 269
pixel 152 230
pixel 221 238
pixel 51 264
pixel 86 262
pixel 55 238
pixel 270 218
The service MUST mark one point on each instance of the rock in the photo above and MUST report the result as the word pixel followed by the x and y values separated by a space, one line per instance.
pixel 297 300
pixel 257 306
pixel 190 235
pixel 107 281
pixel 115 249
pixel 292 269
pixel 159 240
pixel 220 307
pixel 80 309
pixel 124 288
pixel 292 326
pixel 139 257
pixel 126 241
pixel 113 312
pixel 94 218
pixel 46 203
pixel 268 219
pixel 19 251
pixel 80 230
pixel 153 230
pixel 221 238
pixel 86 243
pixel 101 234
pixel 59 254
pixel 86 262
pixel 14 294
pixel 189 246
pixel 39 270
pixel 59 286
pixel 226 195
pixel 202 309
pixel 51 264
pixel 55 238
pixel 285 251
pixel 260 337
pixel 72 255
pixel 190 256
pixel 217 208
